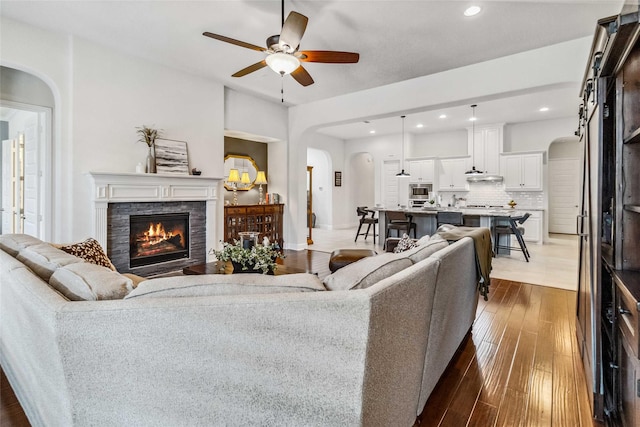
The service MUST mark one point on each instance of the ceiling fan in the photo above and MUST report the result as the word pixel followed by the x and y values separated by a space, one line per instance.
pixel 282 51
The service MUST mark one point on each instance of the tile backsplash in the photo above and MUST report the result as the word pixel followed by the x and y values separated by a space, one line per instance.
pixel 493 193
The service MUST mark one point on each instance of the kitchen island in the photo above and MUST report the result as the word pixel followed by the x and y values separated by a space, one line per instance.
pixel 426 218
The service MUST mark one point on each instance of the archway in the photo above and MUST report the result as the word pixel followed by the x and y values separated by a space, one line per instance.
pixel 322 192
pixel 26 118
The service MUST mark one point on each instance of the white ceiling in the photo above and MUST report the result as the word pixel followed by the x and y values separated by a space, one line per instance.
pixel 397 40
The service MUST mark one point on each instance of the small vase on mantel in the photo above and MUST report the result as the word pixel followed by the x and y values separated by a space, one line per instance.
pixel 151 160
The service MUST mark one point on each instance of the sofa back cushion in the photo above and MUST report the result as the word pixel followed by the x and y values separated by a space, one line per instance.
pixel 89 282
pixel 366 272
pixel 425 249
pixel 13 243
pixel 226 284
pixel 43 259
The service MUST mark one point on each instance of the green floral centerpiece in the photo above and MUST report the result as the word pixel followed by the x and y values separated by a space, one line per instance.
pixel 260 257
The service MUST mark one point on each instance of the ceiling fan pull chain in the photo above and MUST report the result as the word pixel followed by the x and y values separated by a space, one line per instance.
pixel 282 88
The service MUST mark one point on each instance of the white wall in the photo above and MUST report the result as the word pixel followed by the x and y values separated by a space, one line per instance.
pixel 441 144
pixel 100 97
pixel 538 135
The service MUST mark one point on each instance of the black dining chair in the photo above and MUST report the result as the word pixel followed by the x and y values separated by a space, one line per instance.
pixel 399 221
pixel 513 227
pixel 363 212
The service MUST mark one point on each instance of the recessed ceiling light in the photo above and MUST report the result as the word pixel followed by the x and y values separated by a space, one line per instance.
pixel 442 116
pixel 372 131
pixel 473 119
pixel 419 125
pixel 473 10
pixel 543 109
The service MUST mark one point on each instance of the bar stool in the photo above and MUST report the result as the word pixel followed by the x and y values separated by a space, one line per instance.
pixel 363 212
pixel 451 218
pixel 399 221
pixel 513 228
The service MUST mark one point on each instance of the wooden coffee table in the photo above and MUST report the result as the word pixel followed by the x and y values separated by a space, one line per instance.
pixel 221 267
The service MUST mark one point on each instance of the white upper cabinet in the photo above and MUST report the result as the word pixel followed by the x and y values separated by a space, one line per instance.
pixel 522 172
pixel 421 171
pixel 451 175
pixel 485 147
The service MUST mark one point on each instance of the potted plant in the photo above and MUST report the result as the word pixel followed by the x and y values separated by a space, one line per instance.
pixel 258 258
pixel 148 136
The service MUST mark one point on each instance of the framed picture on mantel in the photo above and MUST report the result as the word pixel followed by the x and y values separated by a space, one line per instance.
pixel 171 157
pixel 337 179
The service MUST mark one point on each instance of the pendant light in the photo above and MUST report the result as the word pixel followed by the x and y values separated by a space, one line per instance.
pixel 473 171
pixel 402 172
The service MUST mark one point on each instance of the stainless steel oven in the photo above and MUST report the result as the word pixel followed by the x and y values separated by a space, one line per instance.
pixel 420 191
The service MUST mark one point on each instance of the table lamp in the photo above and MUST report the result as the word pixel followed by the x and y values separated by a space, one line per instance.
pixel 260 179
pixel 234 179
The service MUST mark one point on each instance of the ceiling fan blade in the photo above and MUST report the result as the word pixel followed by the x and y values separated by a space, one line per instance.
pixel 292 31
pixel 302 76
pixel 234 41
pixel 328 56
pixel 250 69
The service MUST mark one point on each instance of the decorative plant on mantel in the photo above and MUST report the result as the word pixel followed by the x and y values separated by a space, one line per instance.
pixel 260 257
pixel 148 136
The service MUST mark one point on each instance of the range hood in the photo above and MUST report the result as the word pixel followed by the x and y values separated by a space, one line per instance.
pixel 475 175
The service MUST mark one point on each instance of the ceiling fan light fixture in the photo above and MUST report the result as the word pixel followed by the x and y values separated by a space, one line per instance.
pixel 282 63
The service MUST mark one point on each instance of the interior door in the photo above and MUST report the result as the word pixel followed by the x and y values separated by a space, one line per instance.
pixel 8 185
pixel 390 183
pixel 564 195
pixel 31 196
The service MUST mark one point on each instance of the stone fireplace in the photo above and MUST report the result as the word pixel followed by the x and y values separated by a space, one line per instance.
pixel 151 224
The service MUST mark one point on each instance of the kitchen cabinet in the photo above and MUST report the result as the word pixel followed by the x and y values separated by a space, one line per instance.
pixel 522 171
pixel 421 171
pixel 485 147
pixel 533 227
pixel 451 175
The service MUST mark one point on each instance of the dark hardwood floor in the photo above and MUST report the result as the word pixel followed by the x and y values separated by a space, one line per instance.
pixel 519 366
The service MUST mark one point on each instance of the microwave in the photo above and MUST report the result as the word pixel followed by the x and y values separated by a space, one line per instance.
pixel 420 191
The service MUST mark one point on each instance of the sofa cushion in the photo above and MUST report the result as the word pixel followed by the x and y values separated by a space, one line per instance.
pixel 43 259
pixel 90 251
pixel 426 249
pixel 366 272
pixel 12 243
pixel 89 282
pixel 226 284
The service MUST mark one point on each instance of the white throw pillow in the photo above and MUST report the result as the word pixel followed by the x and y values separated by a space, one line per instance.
pixel 226 284
pixel 89 282
pixel 366 272
pixel 43 259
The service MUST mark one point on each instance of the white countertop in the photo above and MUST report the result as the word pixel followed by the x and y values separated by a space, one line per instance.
pixel 465 211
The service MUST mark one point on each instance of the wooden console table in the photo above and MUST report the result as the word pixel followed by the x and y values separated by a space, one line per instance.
pixel 265 219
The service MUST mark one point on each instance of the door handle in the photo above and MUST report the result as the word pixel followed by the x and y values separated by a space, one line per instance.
pixel 623 310
pixel 578 226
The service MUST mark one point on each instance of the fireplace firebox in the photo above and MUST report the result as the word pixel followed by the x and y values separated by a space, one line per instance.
pixel 158 238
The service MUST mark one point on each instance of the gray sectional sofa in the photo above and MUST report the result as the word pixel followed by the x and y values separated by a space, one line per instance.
pixel 232 350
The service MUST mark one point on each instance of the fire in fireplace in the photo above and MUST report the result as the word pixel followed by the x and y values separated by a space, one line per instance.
pixel 158 238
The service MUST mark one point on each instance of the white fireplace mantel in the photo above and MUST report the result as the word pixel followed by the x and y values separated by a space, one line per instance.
pixel 108 187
